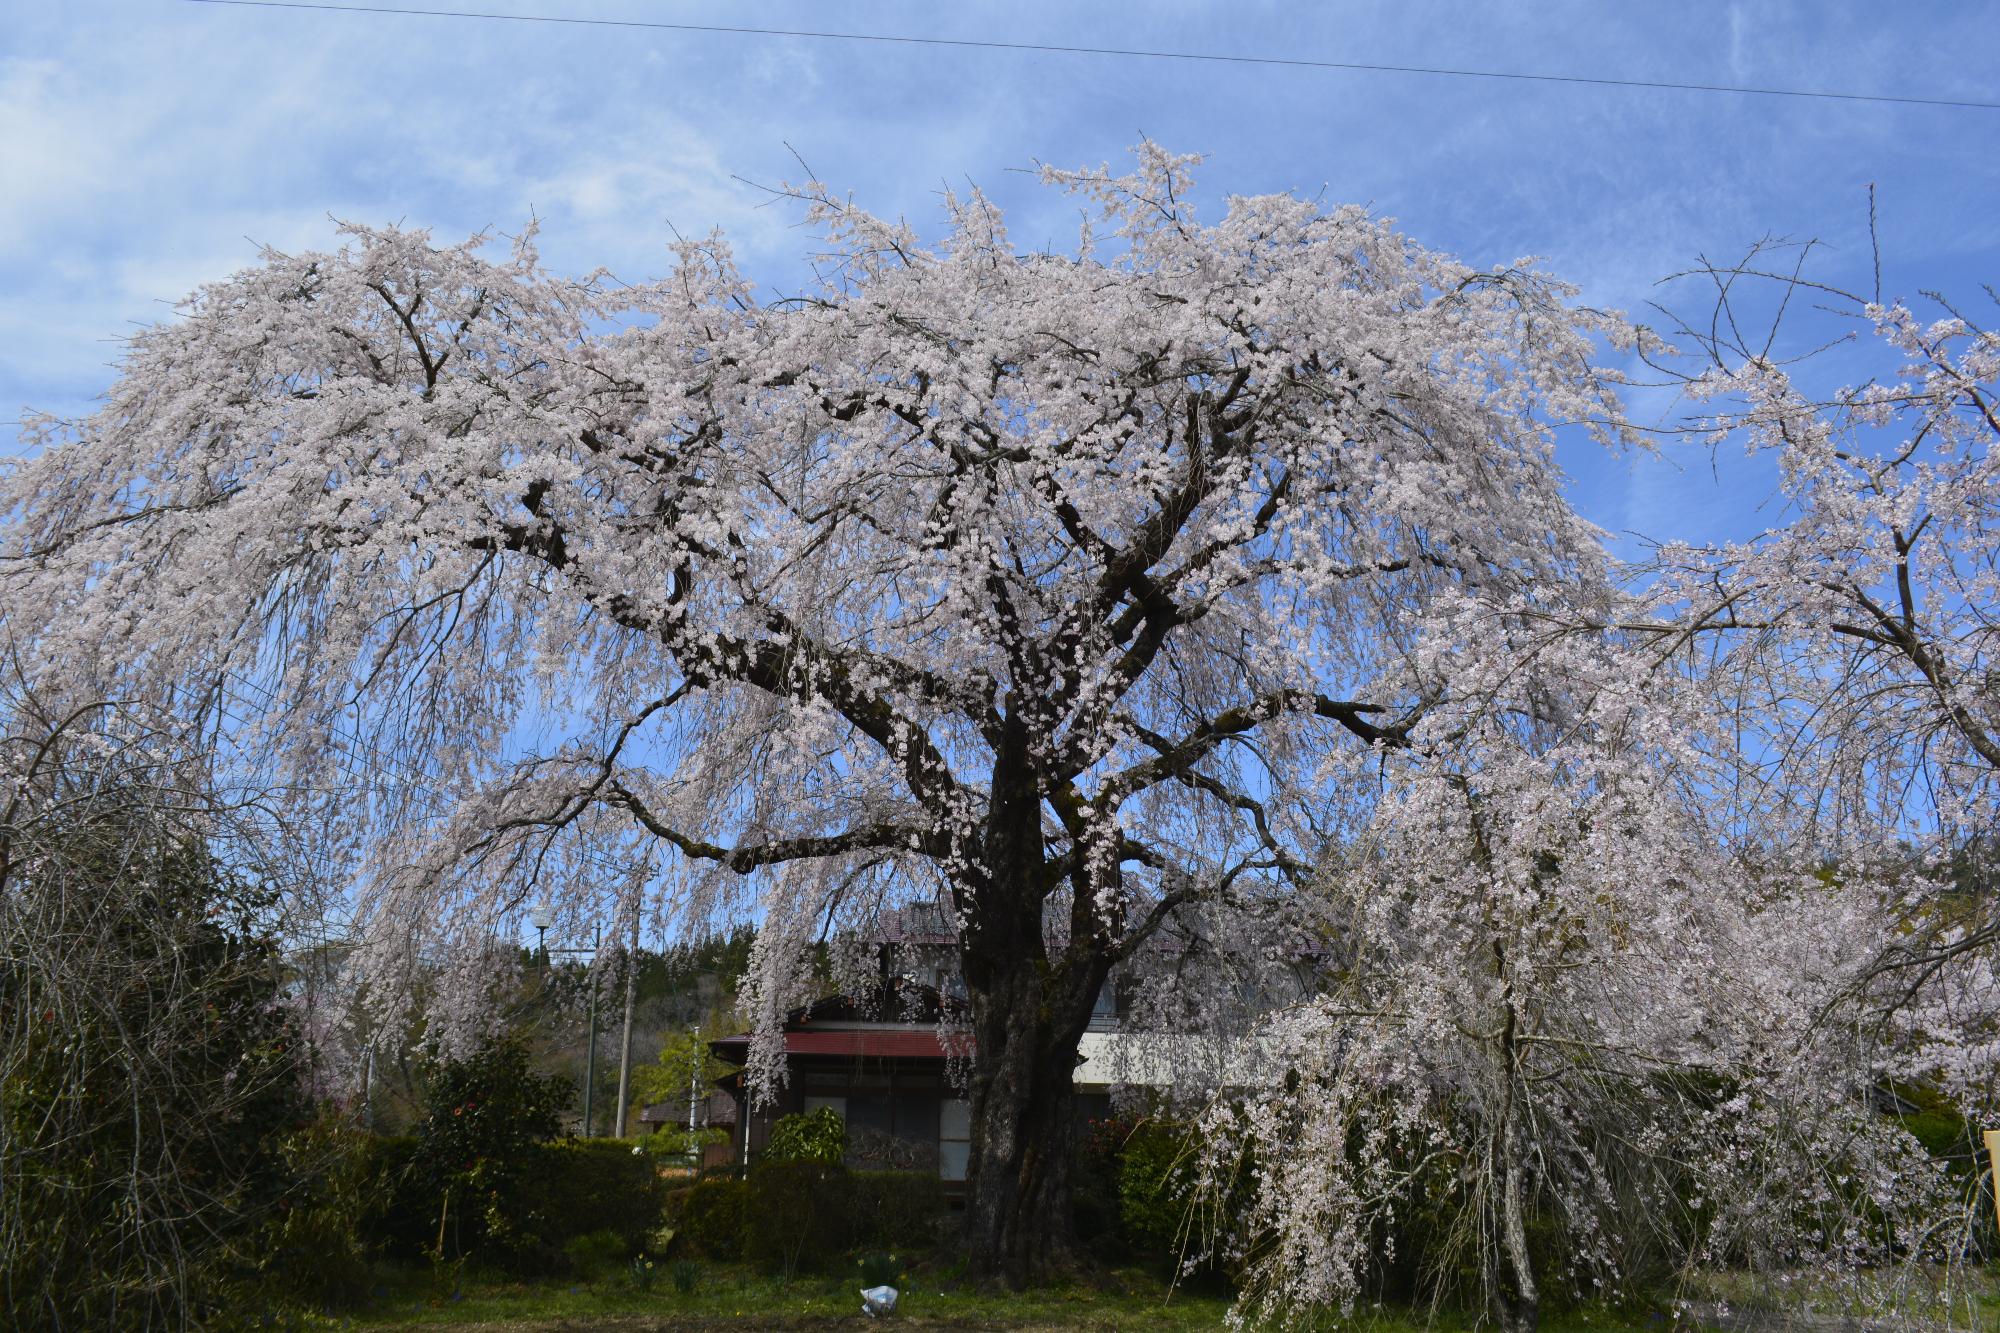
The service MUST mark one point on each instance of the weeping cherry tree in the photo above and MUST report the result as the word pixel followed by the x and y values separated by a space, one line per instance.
pixel 1039 583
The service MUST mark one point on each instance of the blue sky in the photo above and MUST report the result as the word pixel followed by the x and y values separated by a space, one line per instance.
pixel 147 145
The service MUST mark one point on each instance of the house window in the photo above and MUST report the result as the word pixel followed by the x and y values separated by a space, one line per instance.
pixel 838 1104
pixel 954 1138
pixel 1104 1010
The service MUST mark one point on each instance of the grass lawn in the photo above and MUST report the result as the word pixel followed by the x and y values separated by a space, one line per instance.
pixel 737 1297
pixel 729 1296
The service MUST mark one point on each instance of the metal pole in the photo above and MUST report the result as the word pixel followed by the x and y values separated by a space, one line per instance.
pixel 590 1056
pixel 625 1049
pixel 694 1094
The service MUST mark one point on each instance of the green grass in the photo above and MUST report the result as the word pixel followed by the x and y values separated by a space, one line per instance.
pixel 733 1296
pixel 736 1296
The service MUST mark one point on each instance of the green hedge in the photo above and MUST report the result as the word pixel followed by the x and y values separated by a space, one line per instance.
pixel 800 1215
pixel 710 1216
pixel 568 1188
pixel 794 1215
pixel 895 1209
pixel 583 1186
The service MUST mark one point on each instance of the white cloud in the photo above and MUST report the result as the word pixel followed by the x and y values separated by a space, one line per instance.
pixel 141 143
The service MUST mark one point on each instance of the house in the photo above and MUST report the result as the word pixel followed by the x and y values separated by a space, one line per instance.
pixel 891 1062
pixel 889 1079
pixel 716 1110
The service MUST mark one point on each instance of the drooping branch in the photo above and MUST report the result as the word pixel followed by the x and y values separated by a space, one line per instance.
pixel 882 837
pixel 1175 758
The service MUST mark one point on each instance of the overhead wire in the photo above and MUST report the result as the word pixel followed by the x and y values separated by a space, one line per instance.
pixel 1138 53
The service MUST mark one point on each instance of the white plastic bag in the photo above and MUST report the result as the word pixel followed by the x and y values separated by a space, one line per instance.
pixel 878 1300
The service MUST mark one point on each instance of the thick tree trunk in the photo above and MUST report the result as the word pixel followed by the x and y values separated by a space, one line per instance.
pixel 1017 1217
pixel 1028 1014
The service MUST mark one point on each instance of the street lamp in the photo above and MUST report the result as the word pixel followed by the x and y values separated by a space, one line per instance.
pixel 544 916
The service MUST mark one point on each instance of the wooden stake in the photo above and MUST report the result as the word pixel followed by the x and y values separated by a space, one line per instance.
pixel 1993 1159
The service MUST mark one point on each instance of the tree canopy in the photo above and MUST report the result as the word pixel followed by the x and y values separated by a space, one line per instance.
pixel 1205 562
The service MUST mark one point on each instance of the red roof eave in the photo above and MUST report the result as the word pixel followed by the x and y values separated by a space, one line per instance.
pixel 917 1044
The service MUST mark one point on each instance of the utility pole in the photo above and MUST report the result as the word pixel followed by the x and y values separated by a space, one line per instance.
pixel 625 1050
pixel 590 1051
pixel 694 1092
pixel 543 918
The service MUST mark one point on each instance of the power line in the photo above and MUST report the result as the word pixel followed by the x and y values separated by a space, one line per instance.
pixel 969 43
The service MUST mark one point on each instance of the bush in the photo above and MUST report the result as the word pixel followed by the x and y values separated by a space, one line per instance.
pixel 879 1270
pixel 483 1117
pixel 1155 1178
pixel 311 1248
pixel 149 1061
pixel 398 1217
pixel 793 1215
pixel 1147 1175
pixel 596 1253
pixel 898 1209
pixel 711 1216
pixel 1094 1187
pixel 798 1215
pixel 582 1186
pixel 809 1136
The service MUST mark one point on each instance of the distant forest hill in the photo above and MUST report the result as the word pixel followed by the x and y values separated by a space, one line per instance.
pixel 683 986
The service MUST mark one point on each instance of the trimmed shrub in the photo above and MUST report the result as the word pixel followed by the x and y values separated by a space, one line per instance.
pixel 556 1192
pixel 711 1216
pixel 895 1209
pixel 584 1186
pixel 596 1254
pixel 798 1215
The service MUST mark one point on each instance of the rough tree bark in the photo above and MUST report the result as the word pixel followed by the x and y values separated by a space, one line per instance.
pixel 1017 1218
pixel 1028 1012
pixel 1517 1311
